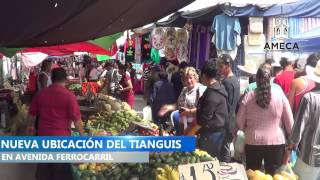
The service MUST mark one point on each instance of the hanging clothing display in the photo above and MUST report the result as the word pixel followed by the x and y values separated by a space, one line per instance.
pixel 232 53
pixel 225 29
pixel 155 56
pixel 254 55
pixel 199 45
pixel 170 44
pixel 157 38
pixel 33 58
pixel 182 45
pixel 137 52
pixel 130 54
pixel 256 39
pixel 255 25
pixel 145 48
pixel 170 38
pixel 129 50
pixel 239 60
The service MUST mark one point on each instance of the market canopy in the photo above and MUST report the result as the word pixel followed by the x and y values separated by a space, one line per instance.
pixel 67 49
pixel 201 16
pixel 302 8
pixel 307 41
pixel 103 45
pixel 36 23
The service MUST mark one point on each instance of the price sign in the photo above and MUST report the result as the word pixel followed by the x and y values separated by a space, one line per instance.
pixel 200 171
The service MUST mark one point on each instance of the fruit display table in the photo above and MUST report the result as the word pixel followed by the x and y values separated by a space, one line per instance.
pixel 117 118
pixel 161 166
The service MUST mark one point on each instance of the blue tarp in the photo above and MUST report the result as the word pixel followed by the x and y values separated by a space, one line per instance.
pixel 302 8
pixel 307 42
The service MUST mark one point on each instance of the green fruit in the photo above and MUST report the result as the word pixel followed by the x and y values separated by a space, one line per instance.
pixel 170 160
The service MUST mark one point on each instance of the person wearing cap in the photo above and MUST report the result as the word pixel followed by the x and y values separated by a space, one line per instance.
pixel 232 85
pixel 285 78
pixel 302 85
pixel 306 130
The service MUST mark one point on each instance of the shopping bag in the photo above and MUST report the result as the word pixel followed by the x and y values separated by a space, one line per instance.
pixel 147 113
pixel 293 158
pixel 239 143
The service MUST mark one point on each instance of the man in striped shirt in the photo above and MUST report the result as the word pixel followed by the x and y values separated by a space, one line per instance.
pixel 306 130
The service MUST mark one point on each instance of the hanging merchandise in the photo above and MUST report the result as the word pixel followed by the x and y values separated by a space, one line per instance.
pixel 256 39
pixel 130 51
pixel 254 55
pixel 157 38
pixel 170 44
pixel 170 53
pixel 170 38
pixel 256 25
pixel 33 58
pixel 226 36
pixel 137 49
pixel 182 45
pixel 155 56
pixel 199 46
pixel 102 57
pixel 145 48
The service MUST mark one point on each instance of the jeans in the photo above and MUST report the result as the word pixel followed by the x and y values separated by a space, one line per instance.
pixel 212 143
pixel 225 149
pixel 176 122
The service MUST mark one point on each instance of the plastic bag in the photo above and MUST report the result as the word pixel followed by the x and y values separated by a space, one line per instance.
pixel 286 172
pixel 147 113
pixel 239 143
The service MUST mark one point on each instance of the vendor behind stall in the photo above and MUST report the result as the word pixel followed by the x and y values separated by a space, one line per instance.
pixel 126 87
pixel 111 78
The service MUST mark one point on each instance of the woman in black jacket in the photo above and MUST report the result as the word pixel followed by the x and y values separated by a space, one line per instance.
pixel 212 112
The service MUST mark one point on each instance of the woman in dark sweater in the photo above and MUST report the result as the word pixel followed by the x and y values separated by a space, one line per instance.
pixel 212 112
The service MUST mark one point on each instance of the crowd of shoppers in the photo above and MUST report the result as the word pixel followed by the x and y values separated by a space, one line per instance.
pixel 278 112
